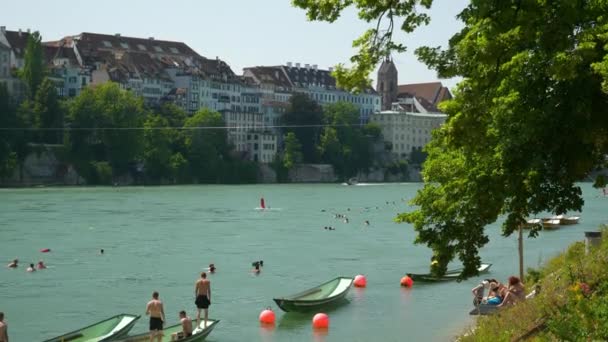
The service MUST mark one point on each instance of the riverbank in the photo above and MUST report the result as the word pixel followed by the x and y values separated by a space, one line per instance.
pixel 572 304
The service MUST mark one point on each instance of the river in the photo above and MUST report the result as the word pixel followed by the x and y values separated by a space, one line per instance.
pixel 161 238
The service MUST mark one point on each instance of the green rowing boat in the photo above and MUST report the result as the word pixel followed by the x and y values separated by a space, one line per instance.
pixel 107 330
pixel 199 334
pixel 449 275
pixel 325 294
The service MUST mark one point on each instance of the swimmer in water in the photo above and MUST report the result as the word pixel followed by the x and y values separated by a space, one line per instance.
pixel 101 251
pixel 211 268
pixel 13 264
pixel 256 267
pixel 31 268
pixel 366 222
pixel 41 265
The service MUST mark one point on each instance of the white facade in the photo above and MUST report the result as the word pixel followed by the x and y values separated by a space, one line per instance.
pixel 246 132
pixel 406 131
pixel 367 103
pixel 262 146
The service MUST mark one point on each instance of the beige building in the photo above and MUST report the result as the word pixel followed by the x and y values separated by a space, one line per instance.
pixel 407 126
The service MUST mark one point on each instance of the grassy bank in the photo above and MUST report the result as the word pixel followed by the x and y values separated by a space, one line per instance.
pixel 572 304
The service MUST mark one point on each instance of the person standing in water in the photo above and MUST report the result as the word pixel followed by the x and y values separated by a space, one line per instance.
pixel 3 329
pixel 155 310
pixel 202 292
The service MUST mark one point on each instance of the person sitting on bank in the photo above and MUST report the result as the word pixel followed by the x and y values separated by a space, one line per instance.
pixel 186 327
pixel 13 264
pixel 41 265
pixel 515 292
pixel 31 268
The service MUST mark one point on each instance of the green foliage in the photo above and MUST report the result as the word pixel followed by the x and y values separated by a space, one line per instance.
pixel 307 116
pixel 292 154
pixel 279 168
pixel 8 118
pixel 157 149
pixel 207 148
pixel 102 173
pixel 101 107
pixel 375 43
pixel 34 68
pixel 48 113
pixel 572 304
pixel 417 156
pixel 527 121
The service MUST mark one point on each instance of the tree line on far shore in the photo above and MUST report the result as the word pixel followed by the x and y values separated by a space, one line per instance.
pixel 107 132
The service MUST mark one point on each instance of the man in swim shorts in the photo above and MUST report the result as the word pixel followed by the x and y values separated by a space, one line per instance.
pixel 157 317
pixel 186 323
pixel 3 329
pixel 202 292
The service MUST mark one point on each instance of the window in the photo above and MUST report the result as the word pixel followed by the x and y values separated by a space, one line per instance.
pixel 141 47
pixel 158 49
pixel 72 92
pixel 124 45
pixel 107 43
pixel 174 50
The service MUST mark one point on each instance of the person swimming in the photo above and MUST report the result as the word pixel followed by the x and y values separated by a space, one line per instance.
pixel 41 265
pixel 366 222
pixel 101 251
pixel 31 268
pixel 211 268
pixel 13 264
pixel 256 267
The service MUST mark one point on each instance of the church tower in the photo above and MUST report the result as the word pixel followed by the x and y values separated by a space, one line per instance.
pixel 387 83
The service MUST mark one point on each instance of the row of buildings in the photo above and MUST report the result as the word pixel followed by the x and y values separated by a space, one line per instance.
pixel 164 71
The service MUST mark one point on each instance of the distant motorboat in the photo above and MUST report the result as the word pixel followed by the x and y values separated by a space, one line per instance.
pixel 567 220
pixel 551 223
pixel 352 181
pixel 532 222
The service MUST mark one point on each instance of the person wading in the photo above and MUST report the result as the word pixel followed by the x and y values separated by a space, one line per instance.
pixel 3 329
pixel 202 292
pixel 157 317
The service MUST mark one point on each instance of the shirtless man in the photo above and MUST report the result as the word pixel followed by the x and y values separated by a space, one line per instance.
pixel 186 327
pixel 13 264
pixel 202 292
pixel 3 329
pixel 157 317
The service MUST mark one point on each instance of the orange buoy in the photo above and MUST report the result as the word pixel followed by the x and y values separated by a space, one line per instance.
pixel 320 321
pixel 267 316
pixel 45 250
pixel 407 281
pixel 360 281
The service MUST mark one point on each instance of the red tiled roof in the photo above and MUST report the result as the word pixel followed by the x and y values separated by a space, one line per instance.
pixel 433 92
pixel 18 41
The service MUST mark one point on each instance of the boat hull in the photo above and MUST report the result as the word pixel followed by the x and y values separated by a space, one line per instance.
pixel 484 309
pixel 107 330
pixel 331 293
pixel 449 276
pixel 167 332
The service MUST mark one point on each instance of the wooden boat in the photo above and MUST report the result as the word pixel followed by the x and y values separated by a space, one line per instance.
pixel 107 330
pixel 199 333
pixel 319 296
pixel 551 223
pixel 531 223
pixel 565 220
pixel 449 275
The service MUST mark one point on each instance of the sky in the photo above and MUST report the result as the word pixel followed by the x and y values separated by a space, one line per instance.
pixel 243 33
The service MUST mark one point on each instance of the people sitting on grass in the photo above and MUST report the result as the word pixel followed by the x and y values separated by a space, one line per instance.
pixel 516 292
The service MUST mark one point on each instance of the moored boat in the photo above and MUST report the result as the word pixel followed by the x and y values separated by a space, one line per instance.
pixel 449 275
pixel 107 330
pixel 325 294
pixel 567 220
pixel 199 333
pixel 484 309
pixel 532 222
pixel 550 223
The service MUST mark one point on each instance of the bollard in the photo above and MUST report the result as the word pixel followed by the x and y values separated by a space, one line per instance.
pixel 592 239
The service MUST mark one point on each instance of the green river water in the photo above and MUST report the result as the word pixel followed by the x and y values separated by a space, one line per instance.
pixel 160 238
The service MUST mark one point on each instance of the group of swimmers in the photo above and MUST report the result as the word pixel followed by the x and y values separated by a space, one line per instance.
pixel 31 268
pixel 499 294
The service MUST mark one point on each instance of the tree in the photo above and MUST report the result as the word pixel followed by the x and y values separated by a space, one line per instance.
pixel 8 119
pixel 105 122
pixel 34 68
pixel 306 117
pixel 157 149
pixel 292 154
pixel 527 121
pixel 48 113
pixel 207 146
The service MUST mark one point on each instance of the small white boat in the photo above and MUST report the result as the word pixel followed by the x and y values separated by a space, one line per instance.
pixel 551 223
pixel 567 220
pixel 532 222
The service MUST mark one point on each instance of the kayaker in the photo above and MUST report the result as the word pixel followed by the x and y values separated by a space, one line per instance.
pixel 41 265
pixel 13 264
pixel 3 329
pixel 31 268
pixel 202 292
pixel 186 327
pixel 155 309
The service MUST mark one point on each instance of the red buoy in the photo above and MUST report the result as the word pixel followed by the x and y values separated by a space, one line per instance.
pixel 360 281
pixel 45 250
pixel 267 316
pixel 407 281
pixel 320 321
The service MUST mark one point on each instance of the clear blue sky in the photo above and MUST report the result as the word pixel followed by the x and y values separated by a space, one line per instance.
pixel 241 32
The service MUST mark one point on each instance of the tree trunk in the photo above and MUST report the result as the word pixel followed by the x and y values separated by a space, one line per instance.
pixel 520 243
